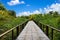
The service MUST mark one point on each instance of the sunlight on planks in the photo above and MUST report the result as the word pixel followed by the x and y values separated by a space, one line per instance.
pixel 32 32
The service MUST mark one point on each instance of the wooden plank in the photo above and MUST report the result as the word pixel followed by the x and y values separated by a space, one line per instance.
pixel 32 32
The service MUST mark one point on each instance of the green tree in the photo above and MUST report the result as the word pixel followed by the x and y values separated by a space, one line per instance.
pixel 2 7
pixel 55 14
pixel 51 12
pixel 12 13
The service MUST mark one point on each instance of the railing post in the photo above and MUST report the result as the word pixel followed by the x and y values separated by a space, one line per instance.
pixel 40 25
pixel 43 28
pixel 47 29
pixel 12 35
pixel 1 38
pixel 17 28
pixel 24 25
pixel 52 34
pixel 21 28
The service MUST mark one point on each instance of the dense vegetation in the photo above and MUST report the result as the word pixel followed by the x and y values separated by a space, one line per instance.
pixel 9 20
pixel 52 19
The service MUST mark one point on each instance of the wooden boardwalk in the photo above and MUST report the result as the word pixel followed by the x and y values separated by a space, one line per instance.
pixel 32 32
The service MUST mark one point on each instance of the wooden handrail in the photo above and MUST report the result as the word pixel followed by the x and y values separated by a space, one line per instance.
pixel 46 27
pixel 7 32
pixel 11 30
pixel 50 27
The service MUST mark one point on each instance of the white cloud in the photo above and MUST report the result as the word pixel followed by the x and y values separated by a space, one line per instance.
pixel 24 13
pixel 53 7
pixel 47 10
pixel 41 10
pixel 36 12
pixel 28 13
pixel 15 2
pixel 22 2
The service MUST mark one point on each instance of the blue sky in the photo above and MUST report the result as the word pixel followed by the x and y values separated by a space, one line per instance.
pixel 26 7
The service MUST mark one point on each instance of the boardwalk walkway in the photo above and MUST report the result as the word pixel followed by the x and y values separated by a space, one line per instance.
pixel 32 32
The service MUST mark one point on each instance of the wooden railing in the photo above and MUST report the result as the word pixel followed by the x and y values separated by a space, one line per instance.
pixel 13 33
pixel 51 32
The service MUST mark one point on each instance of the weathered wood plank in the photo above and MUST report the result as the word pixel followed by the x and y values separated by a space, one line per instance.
pixel 32 32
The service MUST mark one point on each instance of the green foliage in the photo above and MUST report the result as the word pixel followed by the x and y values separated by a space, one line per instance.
pixel 51 12
pixel 2 7
pixel 12 13
pixel 8 19
pixel 6 25
pixel 55 14
pixel 52 19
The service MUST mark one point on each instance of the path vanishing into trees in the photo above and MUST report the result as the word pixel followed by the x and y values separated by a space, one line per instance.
pixel 32 32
